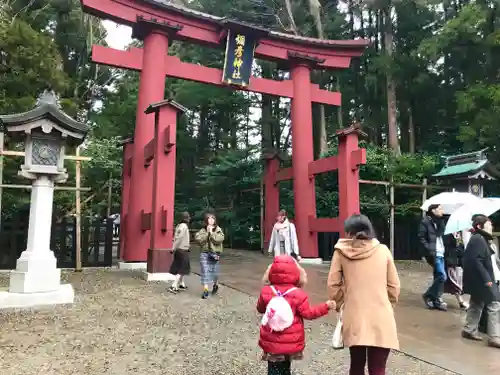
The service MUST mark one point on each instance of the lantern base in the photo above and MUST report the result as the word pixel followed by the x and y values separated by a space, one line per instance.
pixel 36 281
pixel 64 294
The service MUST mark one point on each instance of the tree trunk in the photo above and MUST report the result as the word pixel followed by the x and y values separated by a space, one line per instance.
pixel 291 20
pixel 390 85
pixel 323 138
pixel 276 123
pixel 340 115
pixel 315 11
pixel 266 119
pixel 411 131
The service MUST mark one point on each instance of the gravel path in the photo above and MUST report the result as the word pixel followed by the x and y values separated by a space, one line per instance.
pixel 121 325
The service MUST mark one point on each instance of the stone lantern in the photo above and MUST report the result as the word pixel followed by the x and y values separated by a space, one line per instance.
pixel 45 131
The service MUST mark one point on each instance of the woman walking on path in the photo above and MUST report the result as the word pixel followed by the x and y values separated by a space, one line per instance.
pixel 284 237
pixel 431 239
pixel 364 283
pixel 479 282
pixel 454 250
pixel 180 265
pixel 210 239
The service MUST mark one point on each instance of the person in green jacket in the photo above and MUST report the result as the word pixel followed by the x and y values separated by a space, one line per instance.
pixel 210 238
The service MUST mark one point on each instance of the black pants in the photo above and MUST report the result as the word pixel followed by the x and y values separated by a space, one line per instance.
pixel 279 368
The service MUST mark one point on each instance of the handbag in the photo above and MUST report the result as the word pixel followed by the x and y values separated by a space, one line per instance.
pixel 212 255
pixel 337 338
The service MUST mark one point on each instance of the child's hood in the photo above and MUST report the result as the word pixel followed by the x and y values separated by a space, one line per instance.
pixel 285 271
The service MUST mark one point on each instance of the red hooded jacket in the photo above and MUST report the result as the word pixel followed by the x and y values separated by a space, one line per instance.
pixel 284 275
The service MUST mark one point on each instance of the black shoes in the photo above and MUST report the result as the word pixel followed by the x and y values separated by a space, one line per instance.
pixel 215 289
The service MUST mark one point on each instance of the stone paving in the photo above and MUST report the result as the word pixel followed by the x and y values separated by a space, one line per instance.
pixel 122 325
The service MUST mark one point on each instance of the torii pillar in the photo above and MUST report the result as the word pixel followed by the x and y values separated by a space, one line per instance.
pixel 127 145
pixel 161 219
pixel 271 193
pixel 137 239
pixel 304 194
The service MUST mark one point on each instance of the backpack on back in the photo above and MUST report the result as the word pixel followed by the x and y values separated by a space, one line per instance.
pixel 279 315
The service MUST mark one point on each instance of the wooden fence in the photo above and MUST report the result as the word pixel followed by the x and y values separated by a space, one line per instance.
pixel 406 242
pixel 98 249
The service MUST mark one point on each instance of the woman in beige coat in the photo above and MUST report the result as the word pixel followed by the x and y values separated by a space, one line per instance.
pixel 364 283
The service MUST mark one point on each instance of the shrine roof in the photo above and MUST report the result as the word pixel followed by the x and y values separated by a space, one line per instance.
pixel 464 165
pixel 156 106
pixel 46 107
pixel 461 169
pixel 166 4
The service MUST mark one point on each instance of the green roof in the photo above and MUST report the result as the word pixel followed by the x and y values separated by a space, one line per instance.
pixel 461 169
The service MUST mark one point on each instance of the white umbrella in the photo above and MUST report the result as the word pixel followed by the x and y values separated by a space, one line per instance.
pixel 450 201
pixel 461 218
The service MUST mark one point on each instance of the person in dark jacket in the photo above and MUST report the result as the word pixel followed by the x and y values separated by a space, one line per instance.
pixel 431 239
pixel 479 282
pixel 454 250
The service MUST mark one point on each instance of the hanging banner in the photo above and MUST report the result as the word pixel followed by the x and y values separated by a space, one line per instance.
pixel 239 59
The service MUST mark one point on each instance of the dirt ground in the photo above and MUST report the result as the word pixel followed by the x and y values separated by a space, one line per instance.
pixel 122 325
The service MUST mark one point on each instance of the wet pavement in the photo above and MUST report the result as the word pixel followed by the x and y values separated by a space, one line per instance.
pixel 430 336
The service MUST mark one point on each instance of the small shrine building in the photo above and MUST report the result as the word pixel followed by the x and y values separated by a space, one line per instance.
pixel 468 172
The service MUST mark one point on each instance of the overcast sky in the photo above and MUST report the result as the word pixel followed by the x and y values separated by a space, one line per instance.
pixel 118 36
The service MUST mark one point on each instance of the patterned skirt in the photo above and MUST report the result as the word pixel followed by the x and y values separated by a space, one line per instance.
pixel 209 269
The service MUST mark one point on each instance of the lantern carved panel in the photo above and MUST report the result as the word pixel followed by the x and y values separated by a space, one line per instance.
pixel 45 151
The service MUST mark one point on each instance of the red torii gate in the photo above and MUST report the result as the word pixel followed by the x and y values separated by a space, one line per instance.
pixel 157 24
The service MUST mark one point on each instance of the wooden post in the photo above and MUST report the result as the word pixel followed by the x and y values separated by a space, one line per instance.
pixel 110 192
pixel 1 172
pixel 424 193
pixel 262 213
pixel 391 219
pixel 78 217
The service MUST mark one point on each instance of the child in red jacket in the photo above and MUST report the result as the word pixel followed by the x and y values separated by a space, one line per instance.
pixel 280 347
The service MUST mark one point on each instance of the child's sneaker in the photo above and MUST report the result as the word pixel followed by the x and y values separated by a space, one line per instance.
pixel 183 287
pixel 205 294
pixel 215 289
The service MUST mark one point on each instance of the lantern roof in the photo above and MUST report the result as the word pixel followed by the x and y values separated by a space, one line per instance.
pixel 47 108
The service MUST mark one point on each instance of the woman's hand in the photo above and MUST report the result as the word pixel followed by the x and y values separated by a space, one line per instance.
pixel 331 304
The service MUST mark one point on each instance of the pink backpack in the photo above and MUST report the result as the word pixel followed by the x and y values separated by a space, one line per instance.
pixel 279 315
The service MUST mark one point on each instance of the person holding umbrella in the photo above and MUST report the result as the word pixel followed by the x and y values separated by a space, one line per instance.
pixel 454 250
pixel 431 233
pixel 480 282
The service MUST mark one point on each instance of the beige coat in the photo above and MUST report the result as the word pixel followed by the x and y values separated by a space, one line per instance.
pixel 364 279
pixel 181 237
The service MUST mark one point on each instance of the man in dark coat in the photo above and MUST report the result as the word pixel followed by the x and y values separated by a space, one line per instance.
pixel 432 247
pixel 479 282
